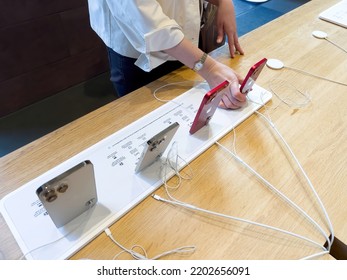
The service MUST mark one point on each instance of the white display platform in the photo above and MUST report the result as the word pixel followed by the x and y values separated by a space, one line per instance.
pixel 119 188
pixel 336 14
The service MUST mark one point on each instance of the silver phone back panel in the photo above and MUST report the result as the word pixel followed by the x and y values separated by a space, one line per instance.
pixel 70 194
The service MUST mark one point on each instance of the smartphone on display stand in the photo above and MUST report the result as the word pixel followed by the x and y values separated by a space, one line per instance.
pixel 208 107
pixel 70 194
pixel 252 76
pixel 156 146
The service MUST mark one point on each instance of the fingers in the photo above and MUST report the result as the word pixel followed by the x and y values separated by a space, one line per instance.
pixel 231 47
pixel 238 46
pixel 233 41
pixel 220 35
pixel 234 46
pixel 239 78
pixel 233 99
pixel 229 103
pixel 226 25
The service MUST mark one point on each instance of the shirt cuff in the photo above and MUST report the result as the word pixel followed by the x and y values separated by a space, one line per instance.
pixel 155 42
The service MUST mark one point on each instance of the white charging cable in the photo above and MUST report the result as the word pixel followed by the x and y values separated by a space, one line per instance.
pixel 277 64
pixel 176 202
pixel 327 219
pixel 144 256
pixel 323 35
pixel 300 210
pixel 84 218
pixel 305 176
pixel 198 209
pixel 155 92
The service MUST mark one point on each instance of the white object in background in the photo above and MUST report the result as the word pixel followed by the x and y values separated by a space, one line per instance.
pixel 336 14
pixel 322 35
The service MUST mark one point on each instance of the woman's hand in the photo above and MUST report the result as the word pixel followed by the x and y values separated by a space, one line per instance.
pixel 217 73
pixel 226 25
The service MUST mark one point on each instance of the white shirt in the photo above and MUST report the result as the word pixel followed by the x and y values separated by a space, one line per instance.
pixel 143 28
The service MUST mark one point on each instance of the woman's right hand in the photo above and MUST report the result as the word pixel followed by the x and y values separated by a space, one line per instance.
pixel 216 73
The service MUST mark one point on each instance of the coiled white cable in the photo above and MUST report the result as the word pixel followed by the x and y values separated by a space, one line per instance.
pixel 144 256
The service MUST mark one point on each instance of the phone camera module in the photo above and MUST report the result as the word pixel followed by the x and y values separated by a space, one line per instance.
pixel 62 187
pixel 49 194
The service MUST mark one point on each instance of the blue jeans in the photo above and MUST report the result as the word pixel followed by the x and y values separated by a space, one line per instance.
pixel 127 77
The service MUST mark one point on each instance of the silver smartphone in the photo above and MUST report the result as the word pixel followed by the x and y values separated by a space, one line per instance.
pixel 70 194
pixel 156 146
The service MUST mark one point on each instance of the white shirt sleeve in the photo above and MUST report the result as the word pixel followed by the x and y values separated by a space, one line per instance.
pixel 143 28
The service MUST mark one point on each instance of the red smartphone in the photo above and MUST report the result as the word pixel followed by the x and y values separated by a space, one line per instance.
pixel 252 76
pixel 208 107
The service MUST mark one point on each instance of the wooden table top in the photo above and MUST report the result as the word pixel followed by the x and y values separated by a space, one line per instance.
pixel 316 132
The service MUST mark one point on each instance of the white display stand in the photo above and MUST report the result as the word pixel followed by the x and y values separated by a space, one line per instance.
pixel 119 188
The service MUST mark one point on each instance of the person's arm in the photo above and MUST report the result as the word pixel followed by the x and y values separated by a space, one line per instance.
pixel 147 28
pixel 226 25
pixel 212 71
